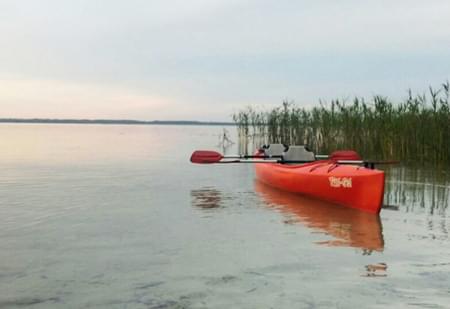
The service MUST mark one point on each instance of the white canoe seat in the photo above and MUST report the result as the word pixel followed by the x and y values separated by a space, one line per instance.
pixel 274 149
pixel 298 153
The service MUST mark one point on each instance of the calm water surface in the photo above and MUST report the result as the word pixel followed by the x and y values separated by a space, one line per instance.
pixel 116 217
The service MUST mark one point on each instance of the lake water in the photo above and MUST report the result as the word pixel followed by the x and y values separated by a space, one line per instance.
pixel 96 216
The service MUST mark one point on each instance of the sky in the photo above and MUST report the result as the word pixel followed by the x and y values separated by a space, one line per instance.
pixel 206 59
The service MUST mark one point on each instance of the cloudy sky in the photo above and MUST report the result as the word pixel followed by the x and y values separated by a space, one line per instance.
pixel 205 59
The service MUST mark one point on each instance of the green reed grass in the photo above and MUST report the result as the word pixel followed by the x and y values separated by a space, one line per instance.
pixel 415 130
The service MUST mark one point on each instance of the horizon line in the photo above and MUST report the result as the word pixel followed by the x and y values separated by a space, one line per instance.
pixel 112 121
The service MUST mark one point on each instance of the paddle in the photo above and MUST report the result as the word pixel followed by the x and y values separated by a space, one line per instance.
pixel 210 157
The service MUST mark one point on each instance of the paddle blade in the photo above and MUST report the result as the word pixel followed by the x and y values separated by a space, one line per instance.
pixel 344 155
pixel 205 157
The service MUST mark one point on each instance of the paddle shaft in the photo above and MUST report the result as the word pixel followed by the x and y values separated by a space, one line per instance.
pixel 250 157
pixel 370 164
pixel 319 157
pixel 262 161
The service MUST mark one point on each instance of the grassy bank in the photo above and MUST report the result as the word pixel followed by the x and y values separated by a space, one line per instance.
pixel 415 130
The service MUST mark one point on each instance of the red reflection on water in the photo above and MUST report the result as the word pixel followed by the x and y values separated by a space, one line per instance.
pixel 350 227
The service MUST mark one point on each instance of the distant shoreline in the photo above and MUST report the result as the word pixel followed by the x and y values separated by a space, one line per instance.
pixel 110 121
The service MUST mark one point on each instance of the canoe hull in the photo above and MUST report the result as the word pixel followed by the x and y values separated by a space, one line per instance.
pixel 348 185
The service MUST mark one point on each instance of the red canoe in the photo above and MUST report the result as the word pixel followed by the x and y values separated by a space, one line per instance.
pixel 348 185
pixel 340 179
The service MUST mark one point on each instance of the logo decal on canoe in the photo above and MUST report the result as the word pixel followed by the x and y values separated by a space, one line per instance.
pixel 338 182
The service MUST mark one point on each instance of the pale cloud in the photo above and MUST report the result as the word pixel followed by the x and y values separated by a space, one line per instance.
pixel 202 59
pixel 57 99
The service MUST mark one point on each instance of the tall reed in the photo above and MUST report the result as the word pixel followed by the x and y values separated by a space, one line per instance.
pixel 415 130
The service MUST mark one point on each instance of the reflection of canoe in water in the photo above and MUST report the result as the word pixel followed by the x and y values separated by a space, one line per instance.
pixel 350 227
